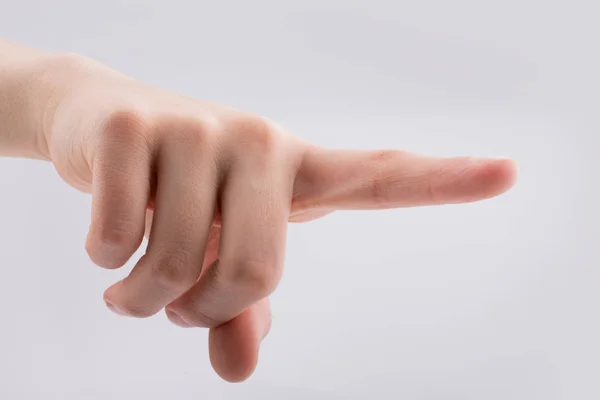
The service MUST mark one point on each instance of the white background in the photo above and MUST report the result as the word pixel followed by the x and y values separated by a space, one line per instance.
pixel 494 300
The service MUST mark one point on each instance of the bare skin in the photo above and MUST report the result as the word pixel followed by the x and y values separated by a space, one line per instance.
pixel 212 187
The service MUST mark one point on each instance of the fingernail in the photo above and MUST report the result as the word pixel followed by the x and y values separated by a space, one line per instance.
pixel 177 320
pixel 486 159
pixel 267 327
pixel 113 308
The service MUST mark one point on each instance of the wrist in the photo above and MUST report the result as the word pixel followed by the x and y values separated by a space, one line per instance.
pixel 31 86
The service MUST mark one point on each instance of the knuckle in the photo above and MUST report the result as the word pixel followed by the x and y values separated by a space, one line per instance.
pixel 257 277
pixel 382 180
pixel 379 189
pixel 384 156
pixel 258 134
pixel 432 190
pixel 126 126
pixel 173 271
pixel 375 190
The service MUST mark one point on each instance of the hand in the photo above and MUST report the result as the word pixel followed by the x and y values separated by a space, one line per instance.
pixel 215 188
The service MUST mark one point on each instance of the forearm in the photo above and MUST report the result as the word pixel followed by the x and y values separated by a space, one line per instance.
pixel 25 98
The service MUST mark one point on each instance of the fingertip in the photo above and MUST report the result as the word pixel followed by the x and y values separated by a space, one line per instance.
pixel 120 301
pixel 233 350
pixel 234 346
pixel 499 175
pixel 177 319
pixel 106 257
pixel 109 298
pixel 111 249
pixel 511 170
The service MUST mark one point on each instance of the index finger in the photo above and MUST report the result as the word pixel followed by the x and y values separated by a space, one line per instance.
pixel 378 179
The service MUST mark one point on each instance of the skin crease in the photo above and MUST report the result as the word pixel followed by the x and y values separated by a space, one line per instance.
pixel 211 187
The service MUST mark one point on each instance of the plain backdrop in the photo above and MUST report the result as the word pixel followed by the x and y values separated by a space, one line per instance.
pixel 495 300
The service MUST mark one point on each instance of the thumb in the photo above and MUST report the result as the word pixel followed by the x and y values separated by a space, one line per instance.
pixel 347 179
pixel 234 346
